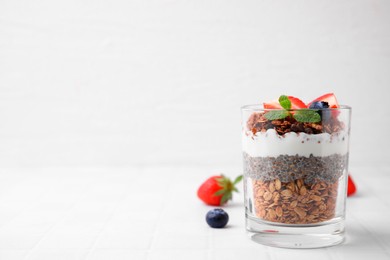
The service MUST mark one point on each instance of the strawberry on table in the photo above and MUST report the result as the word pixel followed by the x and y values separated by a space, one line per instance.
pixel 217 190
pixel 351 186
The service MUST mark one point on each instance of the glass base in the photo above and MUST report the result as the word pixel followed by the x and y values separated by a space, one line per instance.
pixel 326 234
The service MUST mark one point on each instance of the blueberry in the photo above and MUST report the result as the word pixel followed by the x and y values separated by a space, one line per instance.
pixel 217 218
pixel 319 105
pixel 325 115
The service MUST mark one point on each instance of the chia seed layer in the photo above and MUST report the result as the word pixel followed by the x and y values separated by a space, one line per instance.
pixel 289 168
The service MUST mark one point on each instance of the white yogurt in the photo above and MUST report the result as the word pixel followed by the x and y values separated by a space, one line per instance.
pixel 270 143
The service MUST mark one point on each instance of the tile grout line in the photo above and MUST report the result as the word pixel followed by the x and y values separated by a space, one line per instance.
pixel 20 212
pixel 154 233
pixel 329 253
pixel 31 251
pixel 93 247
pixel 152 241
pixel 363 225
pixel 210 246
pixel 270 253
pixel 117 204
pixel 380 198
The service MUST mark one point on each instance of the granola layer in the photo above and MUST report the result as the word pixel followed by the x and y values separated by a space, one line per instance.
pixel 294 202
pixel 258 123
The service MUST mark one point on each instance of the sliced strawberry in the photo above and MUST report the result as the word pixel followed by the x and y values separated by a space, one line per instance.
pixel 330 98
pixel 296 103
pixel 351 187
pixel 272 105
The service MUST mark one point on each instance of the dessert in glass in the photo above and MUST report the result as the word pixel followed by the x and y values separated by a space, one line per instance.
pixel 295 171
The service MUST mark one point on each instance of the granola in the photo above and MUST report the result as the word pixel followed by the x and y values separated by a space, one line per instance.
pixel 258 123
pixel 295 202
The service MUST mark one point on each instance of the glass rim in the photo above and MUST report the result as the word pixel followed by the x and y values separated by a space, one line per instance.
pixel 259 107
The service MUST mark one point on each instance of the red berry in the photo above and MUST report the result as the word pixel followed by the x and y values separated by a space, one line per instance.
pixel 296 103
pixel 351 186
pixel 330 98
pixel 217 190
pixel 272 105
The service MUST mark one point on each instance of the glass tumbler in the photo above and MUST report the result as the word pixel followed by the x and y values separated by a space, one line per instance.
pixel 295 176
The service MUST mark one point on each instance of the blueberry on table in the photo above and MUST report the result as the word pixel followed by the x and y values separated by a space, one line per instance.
pixel 217 218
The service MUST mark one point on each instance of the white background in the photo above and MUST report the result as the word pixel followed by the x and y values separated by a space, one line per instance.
pixel 113 112
pixel 132 83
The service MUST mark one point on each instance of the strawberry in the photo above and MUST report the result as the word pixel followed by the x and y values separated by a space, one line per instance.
pixel 217 190
pixel 274 104
pixel 351 187
pixel 330 98
pixel 296 103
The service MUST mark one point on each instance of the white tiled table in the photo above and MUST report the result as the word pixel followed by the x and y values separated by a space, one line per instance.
pixel 153 213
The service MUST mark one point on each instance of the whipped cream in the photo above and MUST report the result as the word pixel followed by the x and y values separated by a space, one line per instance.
pixel 270 143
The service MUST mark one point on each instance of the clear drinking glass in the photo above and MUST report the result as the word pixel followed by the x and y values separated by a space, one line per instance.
pixel 295 177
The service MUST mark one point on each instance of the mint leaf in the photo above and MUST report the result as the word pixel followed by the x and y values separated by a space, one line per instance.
pixel 277 114
pixel 285 102
pixel 307 115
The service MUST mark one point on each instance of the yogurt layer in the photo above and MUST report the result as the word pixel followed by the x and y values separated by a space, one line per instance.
pixel 270 143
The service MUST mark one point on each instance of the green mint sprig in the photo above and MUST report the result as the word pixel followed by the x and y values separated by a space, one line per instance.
pixel 307 115
pixel 285 102
pixel 277 114
pixel 301 115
